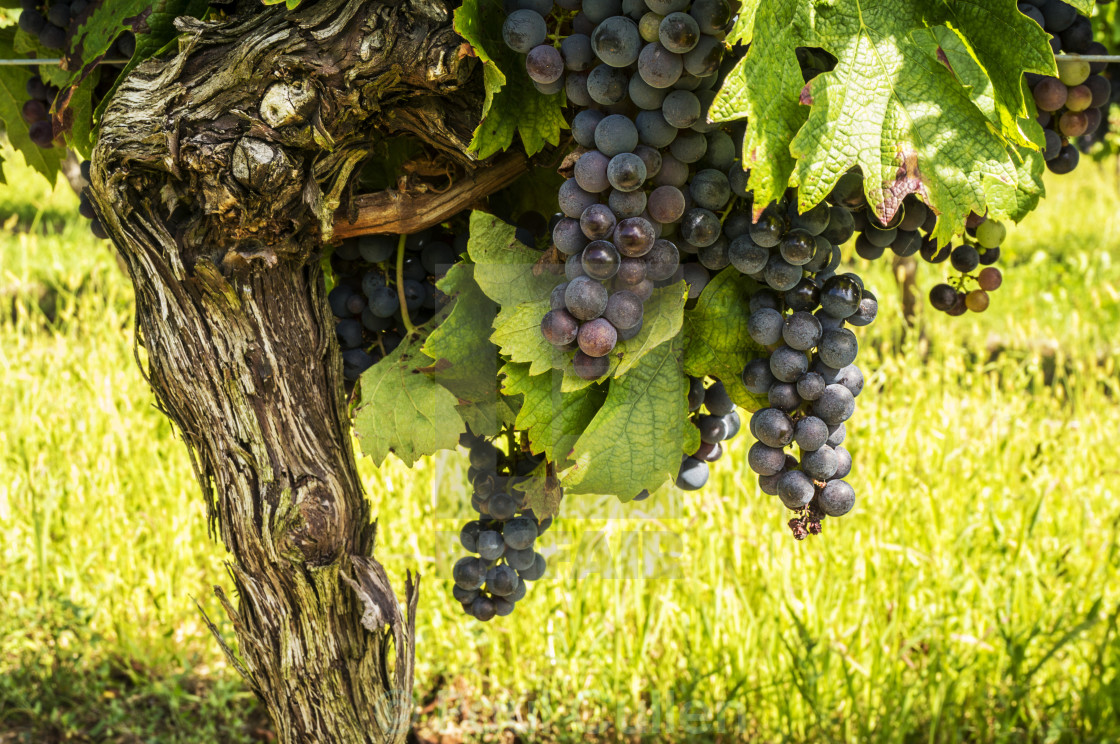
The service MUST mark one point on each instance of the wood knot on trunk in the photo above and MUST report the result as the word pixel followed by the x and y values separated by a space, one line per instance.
pixel 288 104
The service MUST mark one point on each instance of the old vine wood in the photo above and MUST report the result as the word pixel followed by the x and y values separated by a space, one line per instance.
pixel 217 174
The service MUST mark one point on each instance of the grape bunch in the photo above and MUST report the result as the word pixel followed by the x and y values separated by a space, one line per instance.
pixel 1093 136
pixel 53 24
pixel 371 299
pixel 642 74
pixel 491 580
pixel 909 232
pixel 1071 104
pixel 980 246
pixel 36 112
pixel 807 372
pixel 720 423
pixel 49 22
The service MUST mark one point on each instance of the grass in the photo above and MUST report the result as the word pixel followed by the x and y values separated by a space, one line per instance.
pixel 972 596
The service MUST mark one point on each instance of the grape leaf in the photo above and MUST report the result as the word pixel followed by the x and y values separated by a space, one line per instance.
pixel 742 31
pixel 74 116
pixel 487 418
pixel 466 363
pixel 980 89
pixel 887 107
pixel 403 410
pixel 716 339
pixel 505 265
pixel 512 105
pixel 765 88
pixel 552 418
pixel 13 94
pixel 1084 7
pixel 636 439
pixel 103 22
pixel 27 45
pixel 662 317
pixel 1001 42
pixel 542 490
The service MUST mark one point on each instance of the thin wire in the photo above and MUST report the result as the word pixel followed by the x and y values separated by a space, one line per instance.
pixel 57 62
pixel 1092 57
pixel 54 62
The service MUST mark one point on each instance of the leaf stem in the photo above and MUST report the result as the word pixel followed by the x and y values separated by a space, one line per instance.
pixel 408 327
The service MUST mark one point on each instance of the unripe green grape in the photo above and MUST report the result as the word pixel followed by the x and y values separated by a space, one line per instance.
pixel 1079 98
pixel 649 27
pixel 991 234
pixel 1073 71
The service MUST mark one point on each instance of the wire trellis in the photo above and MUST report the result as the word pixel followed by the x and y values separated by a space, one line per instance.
pixel 57 62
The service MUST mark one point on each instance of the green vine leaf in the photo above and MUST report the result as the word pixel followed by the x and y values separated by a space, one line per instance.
pixel 552 419
pixel 903 117
pixel 13 94
pixel 512 105
pixel 542 490
pixel 466 362
pixel 742 31
pixel 152 22
pixel 403 410
pixel 636 439
pixel 505 265
pixel 486 418
pixel 716 339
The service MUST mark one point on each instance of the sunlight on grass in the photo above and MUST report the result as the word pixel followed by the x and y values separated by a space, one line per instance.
pixel 972 595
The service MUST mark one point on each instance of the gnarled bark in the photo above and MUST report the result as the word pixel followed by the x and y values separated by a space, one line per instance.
pixel 218 172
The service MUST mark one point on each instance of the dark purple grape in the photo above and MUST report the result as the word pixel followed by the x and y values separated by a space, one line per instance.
pixel 700 227
pixel 589 367
pixel 559 327
pixel 597 221
pixel 523 30
pixel 600 260
pixel 634 237
pixel 585 298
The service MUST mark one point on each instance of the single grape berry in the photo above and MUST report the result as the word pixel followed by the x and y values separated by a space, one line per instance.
pixel 964 258
pixel 942 297
pixel 559 327
pixel 597 338
pixel 977 300
pixel 523 30
pixel 544 64
pixel 990 279
pixel 600 260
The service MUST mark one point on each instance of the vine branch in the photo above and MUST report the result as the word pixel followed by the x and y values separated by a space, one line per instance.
pixel 394 213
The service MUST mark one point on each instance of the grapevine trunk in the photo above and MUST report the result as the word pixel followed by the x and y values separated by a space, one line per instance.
pixel 218 172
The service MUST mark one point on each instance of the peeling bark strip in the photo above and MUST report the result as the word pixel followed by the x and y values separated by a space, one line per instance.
pixel 218 172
